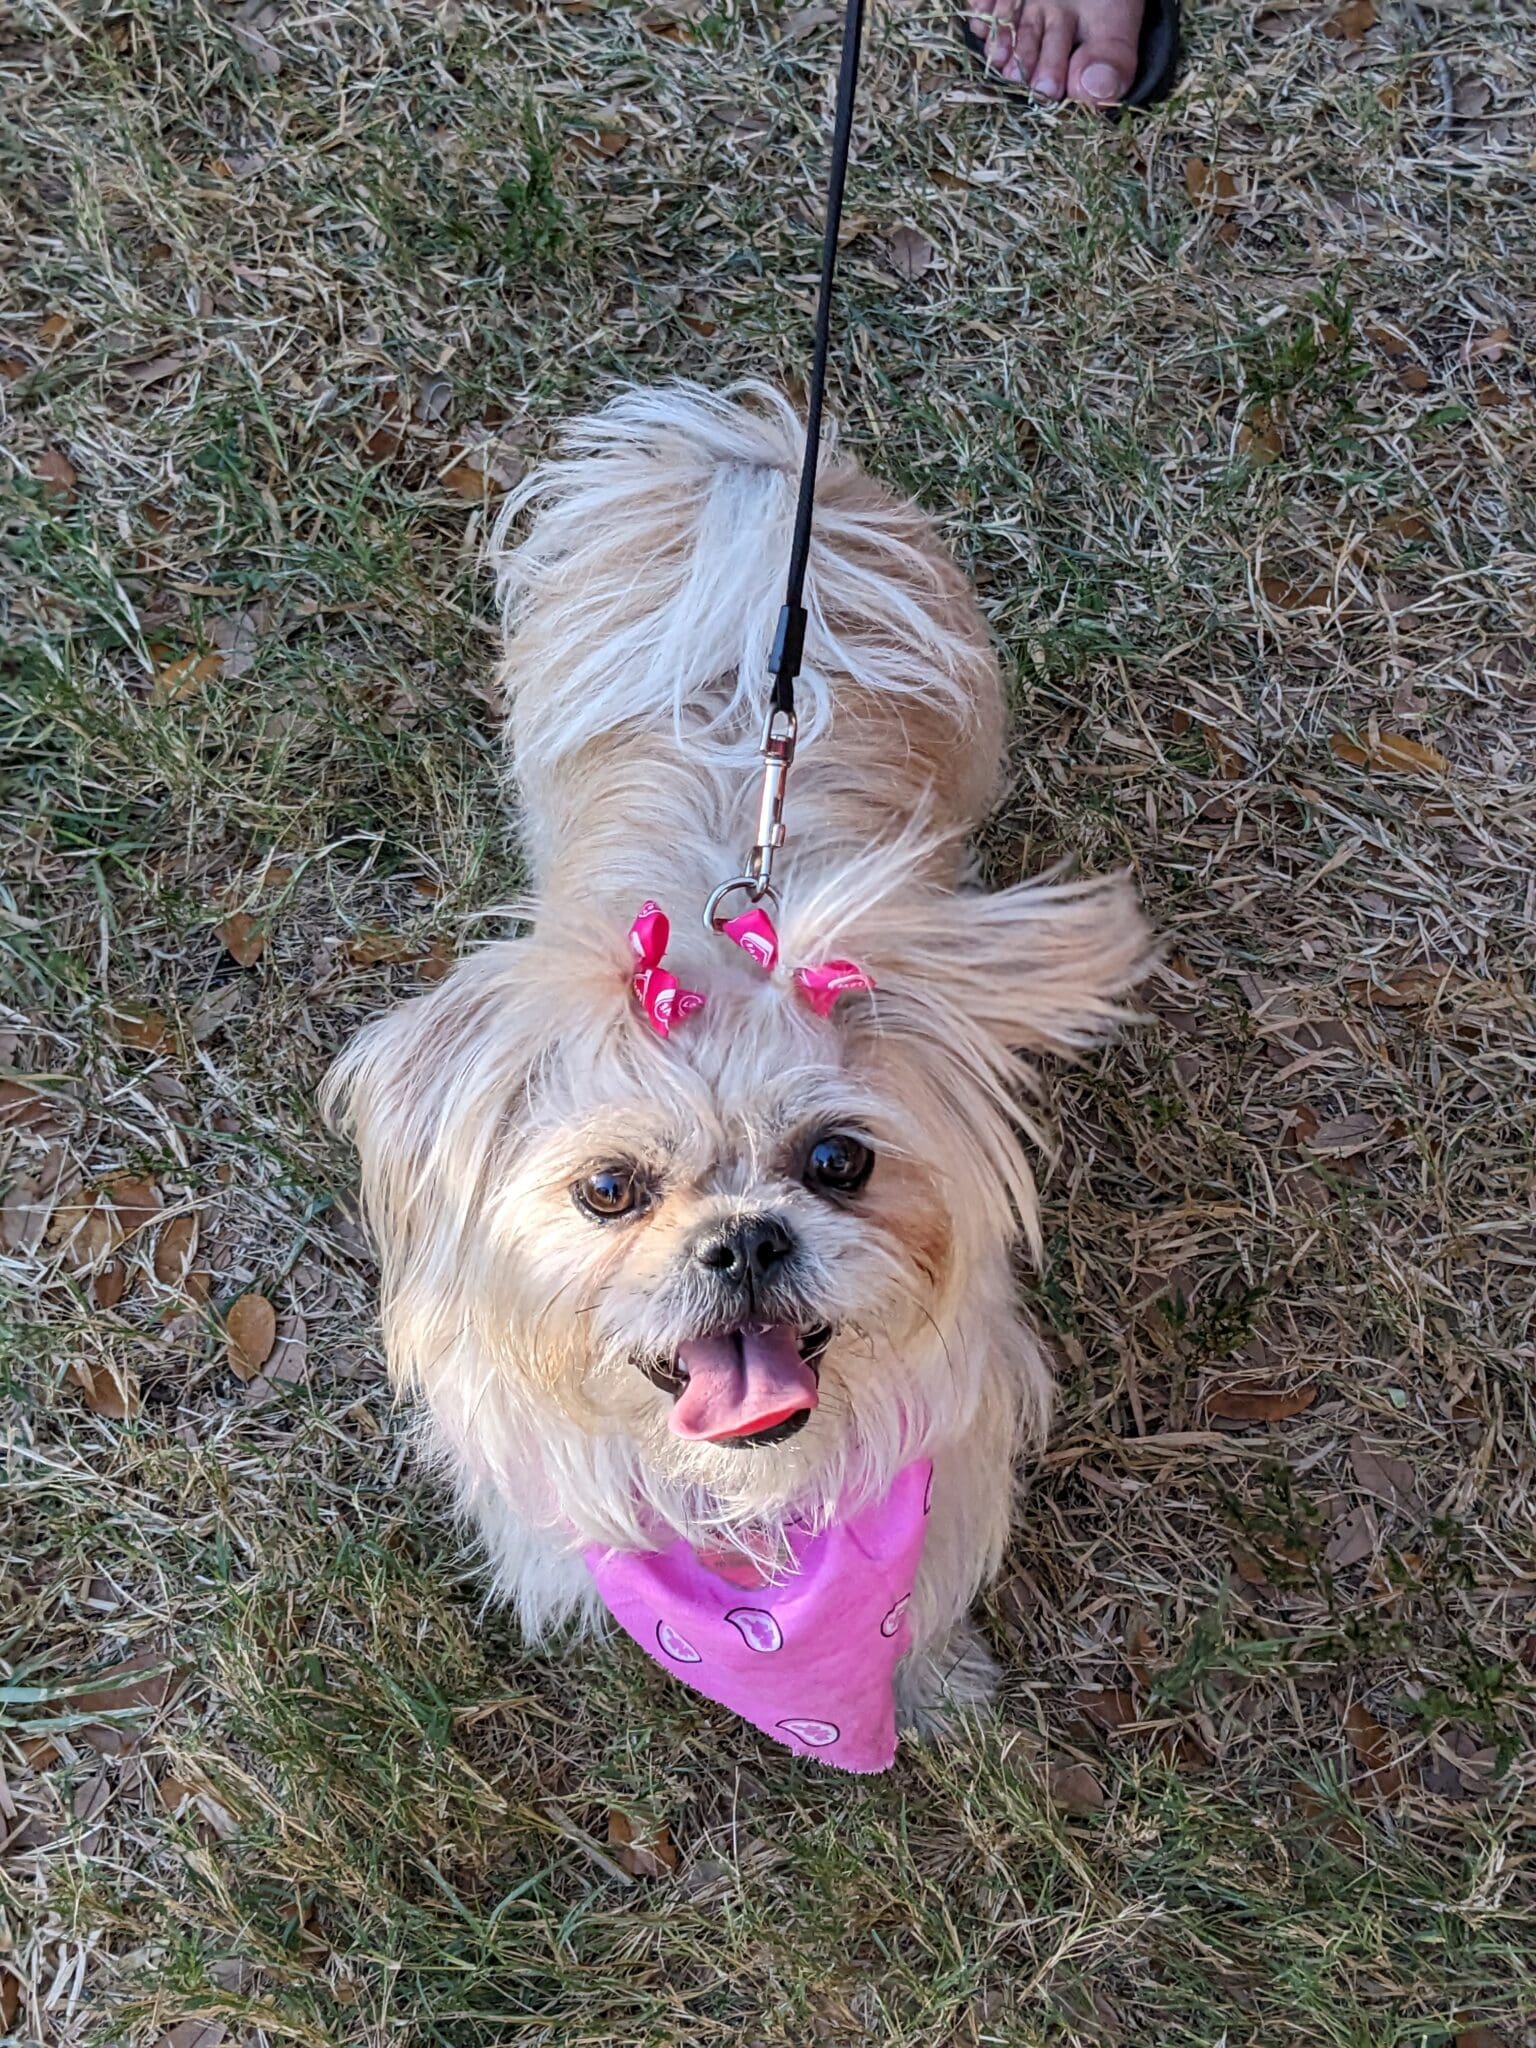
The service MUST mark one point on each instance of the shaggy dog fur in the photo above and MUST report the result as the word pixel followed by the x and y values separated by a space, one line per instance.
pixel 640 607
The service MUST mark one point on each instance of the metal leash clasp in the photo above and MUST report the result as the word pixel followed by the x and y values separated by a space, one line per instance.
pixel 778 752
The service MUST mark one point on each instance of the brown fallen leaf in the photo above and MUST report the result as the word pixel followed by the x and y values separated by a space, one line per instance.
pixel 143 1030
pixel 1389 340
pixel 1230 765
pixel 379 949
pixel 13 368
pixel 609 142
pixel 193 2034
pixel 25 1108
pixel 136 1199
pixel 175 1249
pixel 1388 1478
pixel 106 1392
pixel 910 253
pixel 1413 377
pixel 1408 990
pixel 1408 757
pixel 1407 525
pixel 244 937
pixel 1479 2037
pixel 473 484
pixel 1074 1788
pixel 1295 597
pixel 58 477
pixel 1260 1404
pixel 1202 182
pixel 139 1685
pixel 384 442
pixel 1372 1744
pixel 183 677
pixel 1342 1137
pixel 1110 1708
pixel 1489 347
pixel 1259 437
pixel 1353 1539
pixel 435 962
pixel 652 1854
pixel 10 1999
pixel 250 1331
pixel 55 328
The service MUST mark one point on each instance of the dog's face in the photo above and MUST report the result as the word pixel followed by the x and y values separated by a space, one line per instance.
pixel 748 1251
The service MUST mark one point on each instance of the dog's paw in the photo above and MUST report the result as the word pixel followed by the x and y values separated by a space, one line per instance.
pixel 939 1685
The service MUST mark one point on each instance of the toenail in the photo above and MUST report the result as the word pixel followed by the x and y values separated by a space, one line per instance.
pixel 1101 82
pixel 1047 87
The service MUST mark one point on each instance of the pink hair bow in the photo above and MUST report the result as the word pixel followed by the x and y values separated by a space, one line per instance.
pixel 658 993
pixel 820 986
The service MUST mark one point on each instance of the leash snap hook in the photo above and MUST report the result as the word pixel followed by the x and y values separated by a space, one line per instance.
pixel 778 752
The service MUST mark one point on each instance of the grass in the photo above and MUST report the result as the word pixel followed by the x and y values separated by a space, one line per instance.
pixel 1229 412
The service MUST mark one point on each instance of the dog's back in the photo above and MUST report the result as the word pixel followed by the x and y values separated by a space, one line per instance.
pixel 642 598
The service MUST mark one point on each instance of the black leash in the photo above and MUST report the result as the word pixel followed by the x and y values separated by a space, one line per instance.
pixel 779 729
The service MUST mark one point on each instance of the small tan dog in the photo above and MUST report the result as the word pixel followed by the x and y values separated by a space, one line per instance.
pixel 733 1280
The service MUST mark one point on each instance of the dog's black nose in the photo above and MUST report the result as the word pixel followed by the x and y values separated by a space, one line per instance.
pixel 746 1252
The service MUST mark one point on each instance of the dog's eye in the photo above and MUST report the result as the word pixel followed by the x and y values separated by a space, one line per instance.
pixel 838 1165
pixel 611 1191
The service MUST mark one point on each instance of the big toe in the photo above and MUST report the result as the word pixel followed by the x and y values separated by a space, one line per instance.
pixel 1103 67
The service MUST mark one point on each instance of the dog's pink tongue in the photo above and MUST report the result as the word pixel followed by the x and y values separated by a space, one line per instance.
pixel 741 1383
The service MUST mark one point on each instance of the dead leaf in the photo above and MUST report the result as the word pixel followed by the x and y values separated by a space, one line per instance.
pixel 1351 22
pixel 1413 377
pixel 1342 1137
pixel 1488 348
pixel 12 368
pixel 55 328
pixel 136 1200
pixel 1389 1479
pixel 25 1108
pixel 650 1855
pixel 93 1796
pixel 175 1249
pixel 1259 436
pixel 910 253
pixel 1373 1745
pixel 433 399
pixel 183 677
pixel 1230 764
pixel 1111 1709
pixel 105 1392
pixel 1295 597
pixel 249 31
pixel 250 1331
pixel 383 443
pixel 1353 1539
pixel 435 962
pixel 244 937
pixel 155 369
pixel 10 1999
pixel 377 949
pixel 1407 525
pixel 211 1012
pixel 1479 2037
pixel 1407 757
pixel 607 142
pixel 1408 989
pixel 1389 340
pixel 143 1030
pixel 465 482
pixel 1201 182
pixel 1074 1788
pixel 1260 1404
pixel 193 2034
pixel 58 476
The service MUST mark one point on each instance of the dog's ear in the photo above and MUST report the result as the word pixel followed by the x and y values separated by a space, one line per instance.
pixel 431 1094
pixel 1041 967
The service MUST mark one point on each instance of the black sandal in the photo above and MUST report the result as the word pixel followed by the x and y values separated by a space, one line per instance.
pixel 1157 57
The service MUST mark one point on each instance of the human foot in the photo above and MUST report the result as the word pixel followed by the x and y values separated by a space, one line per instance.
pixel 1074 49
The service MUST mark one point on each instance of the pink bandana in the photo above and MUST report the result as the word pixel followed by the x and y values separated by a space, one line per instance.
pixel 810 1659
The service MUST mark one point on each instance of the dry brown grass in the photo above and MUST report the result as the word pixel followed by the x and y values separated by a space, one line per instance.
pixel 1230 413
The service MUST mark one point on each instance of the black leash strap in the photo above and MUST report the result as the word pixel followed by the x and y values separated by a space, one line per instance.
pixel 778 744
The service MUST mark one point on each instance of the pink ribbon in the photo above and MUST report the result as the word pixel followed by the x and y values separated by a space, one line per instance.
pixel 663 1001
pixel 658 993
pixel 820 986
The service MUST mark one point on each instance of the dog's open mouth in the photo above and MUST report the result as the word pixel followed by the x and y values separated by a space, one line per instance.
pixel 750 1386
